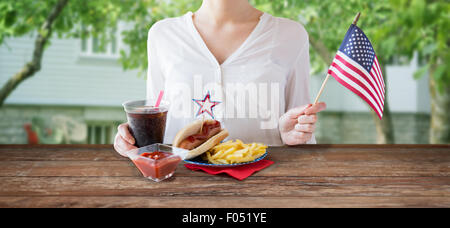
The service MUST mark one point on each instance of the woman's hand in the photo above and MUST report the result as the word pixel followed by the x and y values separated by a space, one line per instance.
pixel 124 141
pixel 298 125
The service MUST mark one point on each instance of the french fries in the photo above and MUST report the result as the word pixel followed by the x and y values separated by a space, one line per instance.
pixel 234 152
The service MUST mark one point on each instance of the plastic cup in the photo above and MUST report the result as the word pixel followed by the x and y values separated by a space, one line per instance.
pixel 146 122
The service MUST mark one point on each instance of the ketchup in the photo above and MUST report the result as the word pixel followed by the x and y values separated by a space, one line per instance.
pixel 157 165
pixel 155 155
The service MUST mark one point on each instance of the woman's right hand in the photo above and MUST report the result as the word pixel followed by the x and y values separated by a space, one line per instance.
pixel 124 141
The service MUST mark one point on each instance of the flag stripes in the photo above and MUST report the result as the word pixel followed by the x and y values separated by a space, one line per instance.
pixel 368 86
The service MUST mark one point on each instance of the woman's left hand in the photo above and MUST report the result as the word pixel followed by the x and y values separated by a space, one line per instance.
pixel 298 125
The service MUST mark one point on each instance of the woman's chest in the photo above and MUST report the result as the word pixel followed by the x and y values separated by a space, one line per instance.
pixel 222 42
pixel 188 62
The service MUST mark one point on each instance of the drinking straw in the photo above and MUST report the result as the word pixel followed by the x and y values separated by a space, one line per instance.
pixel 158 101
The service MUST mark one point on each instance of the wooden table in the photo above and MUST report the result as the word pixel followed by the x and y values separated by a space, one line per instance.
pixel 302 176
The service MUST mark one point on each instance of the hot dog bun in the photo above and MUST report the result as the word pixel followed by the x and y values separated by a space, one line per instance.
pixel 187 130
pixel 194 128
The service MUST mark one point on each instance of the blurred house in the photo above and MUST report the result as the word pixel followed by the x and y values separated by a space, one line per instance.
pixel 84 85
pixel 78 81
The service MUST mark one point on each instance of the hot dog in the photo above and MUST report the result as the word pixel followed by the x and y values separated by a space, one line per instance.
pixel 209 129
pixel 200 136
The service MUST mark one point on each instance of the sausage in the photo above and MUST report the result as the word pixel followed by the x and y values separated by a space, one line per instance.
pixel 208 131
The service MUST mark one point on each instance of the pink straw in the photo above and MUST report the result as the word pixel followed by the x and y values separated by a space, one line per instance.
pixel 161 93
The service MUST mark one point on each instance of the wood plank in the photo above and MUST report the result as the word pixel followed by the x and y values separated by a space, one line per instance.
pixel 223 202
pixel 218 186
pixel 59 153
pixel 364 153
pixel 298 153
pixel 305 168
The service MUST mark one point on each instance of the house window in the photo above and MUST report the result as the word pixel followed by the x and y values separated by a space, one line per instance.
pixel 102 132
pixel 102 47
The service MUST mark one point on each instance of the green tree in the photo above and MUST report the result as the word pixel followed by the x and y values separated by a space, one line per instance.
pixel 11 25
pixel 46 18
pixel 81 19
pixel 423 27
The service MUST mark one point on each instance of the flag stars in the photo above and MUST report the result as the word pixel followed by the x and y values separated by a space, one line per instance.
pixel 358 47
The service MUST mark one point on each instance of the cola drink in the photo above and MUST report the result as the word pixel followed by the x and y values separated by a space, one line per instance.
pixel 146 123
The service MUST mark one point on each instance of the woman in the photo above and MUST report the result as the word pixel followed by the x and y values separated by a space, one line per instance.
pixel 234 63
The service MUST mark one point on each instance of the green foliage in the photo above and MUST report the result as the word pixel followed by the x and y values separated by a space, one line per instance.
pixel 143 14
pixel 397 28
pixel 423 26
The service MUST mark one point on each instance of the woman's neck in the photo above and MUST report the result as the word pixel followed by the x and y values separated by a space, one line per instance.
pixel 220 12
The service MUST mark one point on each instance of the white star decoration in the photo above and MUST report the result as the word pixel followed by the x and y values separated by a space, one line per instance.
pixel 206 105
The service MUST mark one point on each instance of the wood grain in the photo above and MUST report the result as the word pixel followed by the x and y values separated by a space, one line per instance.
pixel 302 168
pixel 302 176
pixel 223 186
pixel 222 202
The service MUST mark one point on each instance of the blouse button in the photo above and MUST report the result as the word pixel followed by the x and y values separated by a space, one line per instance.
pixel 219 74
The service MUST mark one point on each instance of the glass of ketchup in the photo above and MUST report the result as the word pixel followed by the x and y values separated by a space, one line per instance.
pixel 157 162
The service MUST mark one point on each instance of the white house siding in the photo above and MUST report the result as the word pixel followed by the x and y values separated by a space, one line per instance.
pixel 66 78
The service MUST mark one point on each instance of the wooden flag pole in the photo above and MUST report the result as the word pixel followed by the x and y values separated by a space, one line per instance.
pixel 321 88
pixel 355 21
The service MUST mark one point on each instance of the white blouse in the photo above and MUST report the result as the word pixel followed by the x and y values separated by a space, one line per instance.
pixel 266 76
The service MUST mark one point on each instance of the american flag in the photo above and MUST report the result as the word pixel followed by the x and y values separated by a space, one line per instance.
pixel 357 68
